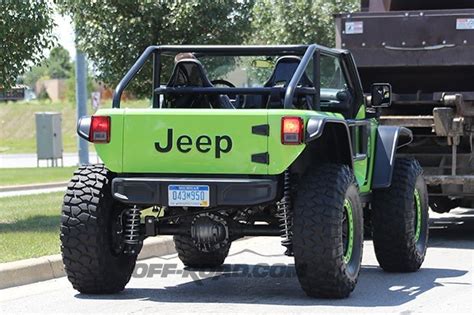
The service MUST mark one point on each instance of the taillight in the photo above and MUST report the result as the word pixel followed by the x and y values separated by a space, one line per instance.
pixel 100 129
pixel 292 130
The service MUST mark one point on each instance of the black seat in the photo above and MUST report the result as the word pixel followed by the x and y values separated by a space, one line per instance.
pixel 284 70
pixel 191 73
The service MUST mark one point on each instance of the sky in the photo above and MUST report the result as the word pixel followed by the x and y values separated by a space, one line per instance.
pixel 65 33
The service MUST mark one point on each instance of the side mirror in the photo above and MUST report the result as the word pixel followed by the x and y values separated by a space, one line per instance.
pixel 381 95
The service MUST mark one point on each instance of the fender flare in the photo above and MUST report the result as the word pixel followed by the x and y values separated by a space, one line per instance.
pixel 389 139
pixel 315 128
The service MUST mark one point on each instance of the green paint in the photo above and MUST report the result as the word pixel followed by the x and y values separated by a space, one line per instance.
pixel 350 230
pixel 135 131
pixel 361 112
pixel 364 169
pixel 418 215
pixel 281 156
pixel 145 127
pixel 111 153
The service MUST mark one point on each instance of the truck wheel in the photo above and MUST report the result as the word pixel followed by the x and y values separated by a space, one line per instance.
pixel 328 232
pixel 92 251
pixel 400 219
pixel 192 257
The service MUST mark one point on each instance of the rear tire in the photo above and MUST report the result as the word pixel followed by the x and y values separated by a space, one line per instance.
pixel 327 263
pixel 400 219
pixel 192 257
pixel 92 262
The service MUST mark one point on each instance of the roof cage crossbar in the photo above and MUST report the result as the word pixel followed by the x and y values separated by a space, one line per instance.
pixel 307 51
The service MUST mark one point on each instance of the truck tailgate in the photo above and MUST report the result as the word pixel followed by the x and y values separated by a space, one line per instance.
pixel 199 141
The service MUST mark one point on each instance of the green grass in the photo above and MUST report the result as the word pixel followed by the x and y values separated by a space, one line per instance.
pixel 34 175
pixel 17 121
pixel 29 226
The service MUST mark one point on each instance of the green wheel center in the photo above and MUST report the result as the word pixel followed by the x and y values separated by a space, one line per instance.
pixel 418 216
pixel 347 231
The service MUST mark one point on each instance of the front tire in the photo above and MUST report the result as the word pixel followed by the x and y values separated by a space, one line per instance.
pixel 400 219
pixel 92 261
pixel 328 232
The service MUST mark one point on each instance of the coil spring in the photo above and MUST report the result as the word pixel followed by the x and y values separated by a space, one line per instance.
pixel 284 214
pixel 132 226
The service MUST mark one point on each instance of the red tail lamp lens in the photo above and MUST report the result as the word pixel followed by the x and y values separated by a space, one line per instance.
pixel 100 129
pixel 292 130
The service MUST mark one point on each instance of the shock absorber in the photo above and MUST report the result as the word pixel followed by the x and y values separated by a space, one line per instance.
pixel 285 215
pixel 131 230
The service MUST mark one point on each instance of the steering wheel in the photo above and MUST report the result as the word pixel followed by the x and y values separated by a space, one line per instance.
pixel 222 82
pixel 234 97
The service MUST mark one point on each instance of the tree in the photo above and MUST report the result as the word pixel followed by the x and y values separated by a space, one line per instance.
pixel 57 66
pixel 114 33
pixel 298 21
pixel 25 31
pixel 59 63
pixel 35 73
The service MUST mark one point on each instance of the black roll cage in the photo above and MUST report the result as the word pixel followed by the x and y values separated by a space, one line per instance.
pixel 308 52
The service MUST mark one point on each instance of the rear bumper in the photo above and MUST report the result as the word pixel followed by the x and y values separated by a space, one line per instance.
pixel 223 191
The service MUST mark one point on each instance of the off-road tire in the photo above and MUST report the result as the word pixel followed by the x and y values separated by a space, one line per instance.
pixel 394 215
pixel 192 257
pixel 91 263
pixel 318 246
pixel 443 204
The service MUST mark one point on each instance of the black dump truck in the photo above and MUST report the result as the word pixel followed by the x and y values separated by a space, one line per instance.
pixel 425 50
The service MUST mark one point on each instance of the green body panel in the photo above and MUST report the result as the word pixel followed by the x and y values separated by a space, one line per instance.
pixel 144 127
pixel 361 112
pixel 135 132
pixel 111 153
pixel 282 156
pixel 360 173
pixel 363 169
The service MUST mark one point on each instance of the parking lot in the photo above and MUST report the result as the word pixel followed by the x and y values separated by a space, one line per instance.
pixel 258 278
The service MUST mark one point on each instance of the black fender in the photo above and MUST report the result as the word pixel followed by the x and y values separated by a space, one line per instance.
pixel 329 139
pixel 389 139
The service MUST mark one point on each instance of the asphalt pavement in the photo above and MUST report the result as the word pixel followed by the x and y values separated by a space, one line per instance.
pixel 257 278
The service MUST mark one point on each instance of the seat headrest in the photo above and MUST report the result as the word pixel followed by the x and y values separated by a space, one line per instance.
pixel 189 72
pixel 285 68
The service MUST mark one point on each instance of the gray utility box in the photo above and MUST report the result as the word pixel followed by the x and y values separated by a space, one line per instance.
pixel 49 141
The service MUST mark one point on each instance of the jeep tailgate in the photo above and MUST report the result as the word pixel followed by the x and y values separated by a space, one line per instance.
pixel 198 141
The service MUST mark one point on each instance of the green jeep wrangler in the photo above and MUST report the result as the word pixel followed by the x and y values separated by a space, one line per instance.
pixel 246 141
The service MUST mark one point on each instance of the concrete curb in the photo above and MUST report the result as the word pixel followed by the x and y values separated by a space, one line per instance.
pixel 33 186
pixel 49 267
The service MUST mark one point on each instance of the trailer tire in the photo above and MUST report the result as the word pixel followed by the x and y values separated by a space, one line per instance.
pixel 400 219
pixel 92 263
pixel 327 263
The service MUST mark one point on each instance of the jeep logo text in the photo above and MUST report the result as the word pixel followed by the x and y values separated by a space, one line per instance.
pixel 203 143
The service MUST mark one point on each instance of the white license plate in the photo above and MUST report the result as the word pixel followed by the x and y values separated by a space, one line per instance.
pixel 188 196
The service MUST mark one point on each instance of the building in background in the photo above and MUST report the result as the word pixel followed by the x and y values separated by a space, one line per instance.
pixel 55 88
